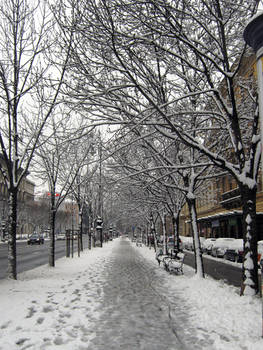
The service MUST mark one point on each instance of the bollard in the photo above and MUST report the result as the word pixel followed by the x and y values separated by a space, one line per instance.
pixel 67 243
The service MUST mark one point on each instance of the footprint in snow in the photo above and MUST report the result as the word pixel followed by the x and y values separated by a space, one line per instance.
pixel 65 314
pixel 40 320
pixel 58 341
pixel 74 300
pixel 48 308
pixel 31 312
pixel 21 341
pixel 5 325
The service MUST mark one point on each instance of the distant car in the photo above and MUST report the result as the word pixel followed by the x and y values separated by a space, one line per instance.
pixel 220 246
pixel 35 238
pixel 235 251
pixel 61 237
pixel 207 245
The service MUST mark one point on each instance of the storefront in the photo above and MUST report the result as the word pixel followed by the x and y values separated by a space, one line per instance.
pixel 226 224
pixel 221 225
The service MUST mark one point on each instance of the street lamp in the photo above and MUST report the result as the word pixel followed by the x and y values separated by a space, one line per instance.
pixel 151 230
pixel 99 229
pixel 3 223
pixel 253 36
pixel 110 233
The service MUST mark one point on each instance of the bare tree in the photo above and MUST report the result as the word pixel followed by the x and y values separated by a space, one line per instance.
pixel 63 155
pixel 201 56
pixel 30 84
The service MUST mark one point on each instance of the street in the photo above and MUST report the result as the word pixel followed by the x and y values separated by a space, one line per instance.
pixel 31 256
pixel 218 268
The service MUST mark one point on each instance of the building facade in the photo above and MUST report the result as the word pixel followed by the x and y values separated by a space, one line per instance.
pixel 219 210
pixel 24 207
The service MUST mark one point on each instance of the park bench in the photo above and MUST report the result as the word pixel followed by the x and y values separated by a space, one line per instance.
pixel 139 243
pixel 160 256
pixel 173 262
pixel 175 265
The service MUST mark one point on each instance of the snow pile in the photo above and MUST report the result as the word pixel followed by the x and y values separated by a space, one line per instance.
pixel 217 310
pixel 49 308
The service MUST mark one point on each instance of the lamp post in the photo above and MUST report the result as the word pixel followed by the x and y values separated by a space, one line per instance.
pixel 91 237
pixel 153 238
pixel 3 223
pixel 110 233
pixel 253 36
pixel 151 230
pixel 99 229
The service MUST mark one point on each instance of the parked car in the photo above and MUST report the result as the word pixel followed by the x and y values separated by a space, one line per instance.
pixel 220 246
pixel 171 243
pixel 35 238
pixel 207 245
pixel 235 250
pixel 260 253
pixel 188 244
pixel 184 241
pixel 202 240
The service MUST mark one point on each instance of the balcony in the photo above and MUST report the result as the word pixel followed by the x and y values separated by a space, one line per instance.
pixel 231 199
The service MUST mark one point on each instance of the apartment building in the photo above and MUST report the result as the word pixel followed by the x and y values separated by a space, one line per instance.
pixel 25 202
pixel 219 209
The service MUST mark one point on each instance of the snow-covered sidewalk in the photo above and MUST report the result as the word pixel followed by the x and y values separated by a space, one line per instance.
pixel 118 297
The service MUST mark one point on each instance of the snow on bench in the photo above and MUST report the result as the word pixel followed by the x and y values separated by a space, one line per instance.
pixel 172 264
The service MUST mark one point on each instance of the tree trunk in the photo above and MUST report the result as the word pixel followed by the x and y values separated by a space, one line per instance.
pixel 80 229
pixel 199 267
pixel 147 234
pixel 12 221
pixel 52 231
pixel 89 236
pixel 176 231
pixel 164 235
pixel 93 234
pixel 249 268
pixel 154 239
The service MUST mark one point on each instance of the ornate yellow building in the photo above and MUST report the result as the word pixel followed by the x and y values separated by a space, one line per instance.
pixel 219 210
pixel 25 202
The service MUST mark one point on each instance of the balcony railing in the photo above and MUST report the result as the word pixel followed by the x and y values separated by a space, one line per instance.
pixel 231 199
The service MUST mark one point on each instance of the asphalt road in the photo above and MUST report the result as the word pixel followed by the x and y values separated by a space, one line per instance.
pixel 31 256
pixel 218 269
